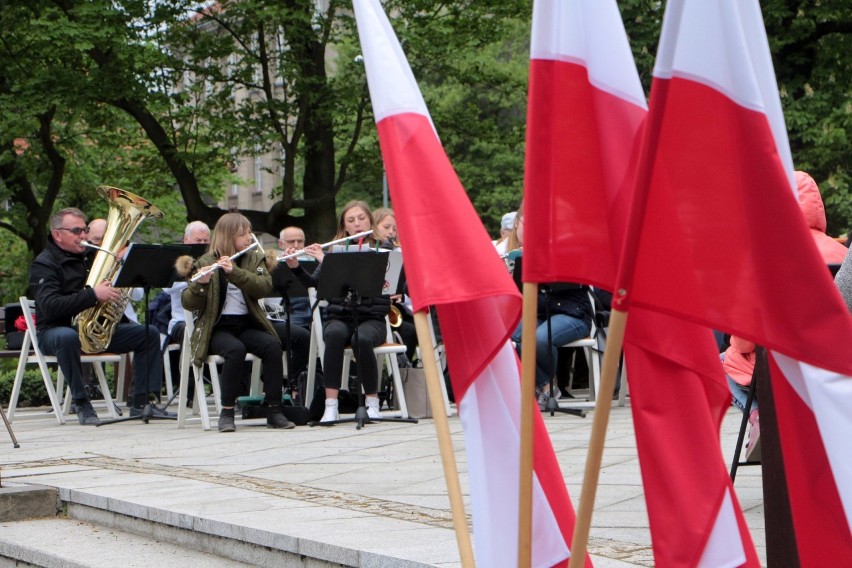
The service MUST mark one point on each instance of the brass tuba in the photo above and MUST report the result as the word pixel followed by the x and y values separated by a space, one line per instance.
pixel 96 325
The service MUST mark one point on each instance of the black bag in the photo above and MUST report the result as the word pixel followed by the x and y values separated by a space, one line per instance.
pixel 347 402
pixel 298 415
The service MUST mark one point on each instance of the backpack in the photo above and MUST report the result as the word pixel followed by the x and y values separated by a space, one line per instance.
pixel 160 312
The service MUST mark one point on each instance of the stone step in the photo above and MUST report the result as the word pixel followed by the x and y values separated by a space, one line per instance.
pixel 70 543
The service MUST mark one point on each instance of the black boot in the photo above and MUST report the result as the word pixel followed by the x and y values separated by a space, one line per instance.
pixel 276 419
pixel 226 420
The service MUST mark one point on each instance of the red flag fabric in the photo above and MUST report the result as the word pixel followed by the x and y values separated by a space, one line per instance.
pixel 584 115
pixel 585 119
pixel 720 240
pixel 450 262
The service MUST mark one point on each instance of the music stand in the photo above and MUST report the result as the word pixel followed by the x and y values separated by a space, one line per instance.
pixel 285 284
pixel 147 266
pixel 551 406
pixel 350 277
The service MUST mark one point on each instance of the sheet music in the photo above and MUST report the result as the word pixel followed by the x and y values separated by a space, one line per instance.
pixel 393 270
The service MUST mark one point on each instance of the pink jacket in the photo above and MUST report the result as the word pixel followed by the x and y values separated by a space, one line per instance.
pixel 810 202
pixel 739 360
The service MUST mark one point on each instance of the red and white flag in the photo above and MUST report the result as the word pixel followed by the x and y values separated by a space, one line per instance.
pixel 721 241
pixel 585 119
pixel 450 262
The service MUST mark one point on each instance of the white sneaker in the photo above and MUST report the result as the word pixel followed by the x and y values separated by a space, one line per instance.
pixel 372 403
pixel 331 412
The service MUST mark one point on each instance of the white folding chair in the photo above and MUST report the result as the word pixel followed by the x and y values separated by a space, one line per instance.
pixel 212 362
pixel 167 349
pixel 388 351
pixel 593 347
pixel 38 358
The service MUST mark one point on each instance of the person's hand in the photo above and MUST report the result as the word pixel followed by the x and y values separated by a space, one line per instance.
pixel 315 250
pixel 292 262
pixel 225 264
pixel 106 293
pixel 396 298
pixel 209 274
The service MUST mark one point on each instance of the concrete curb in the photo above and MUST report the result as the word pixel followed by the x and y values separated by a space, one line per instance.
pixel 18 503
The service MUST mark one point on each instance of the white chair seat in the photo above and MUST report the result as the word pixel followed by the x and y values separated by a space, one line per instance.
pixel 388 351
pixel 36 357
pixel 212 362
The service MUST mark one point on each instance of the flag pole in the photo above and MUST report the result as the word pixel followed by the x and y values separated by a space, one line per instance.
pixel 612 356
pixel 525 480
pixel 442 428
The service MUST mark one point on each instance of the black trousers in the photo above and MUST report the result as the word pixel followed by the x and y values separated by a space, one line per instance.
pixel 300 345
pixel 232 338
pixel 339 334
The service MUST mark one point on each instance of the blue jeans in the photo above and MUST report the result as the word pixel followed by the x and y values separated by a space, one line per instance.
pixel 739 393
pixel 64 343
pixel 563 329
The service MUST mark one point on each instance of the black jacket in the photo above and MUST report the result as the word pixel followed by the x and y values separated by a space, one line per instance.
pixel 58 285
pixel 573 302
pixel 372 308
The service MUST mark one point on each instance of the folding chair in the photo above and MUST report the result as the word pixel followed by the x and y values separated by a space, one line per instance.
pixel 388 350
pixel 593 347
pixel 42 360
pixel 212 362
pixel 167 349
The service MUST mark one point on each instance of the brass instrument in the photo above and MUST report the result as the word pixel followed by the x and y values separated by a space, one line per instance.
pixel 395 316
pixel 96 325
pixel 212 269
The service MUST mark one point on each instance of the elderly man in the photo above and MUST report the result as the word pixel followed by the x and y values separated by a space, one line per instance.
pixel 195 233
pixel 58 281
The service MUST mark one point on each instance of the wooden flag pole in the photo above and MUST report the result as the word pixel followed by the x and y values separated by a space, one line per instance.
pixel 612 355
pixel 525 480
pixel 442 429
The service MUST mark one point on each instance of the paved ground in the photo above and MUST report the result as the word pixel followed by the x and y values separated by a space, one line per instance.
pixel 376 491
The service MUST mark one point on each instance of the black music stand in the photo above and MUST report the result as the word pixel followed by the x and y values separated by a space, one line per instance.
pixel 287 286
pixel 147 266
pixel 551 406
pixel 352 276
pixel 9 428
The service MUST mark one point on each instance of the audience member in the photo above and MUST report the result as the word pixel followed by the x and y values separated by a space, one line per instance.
pixel 739 359
pixel 507 224
pixel 843 279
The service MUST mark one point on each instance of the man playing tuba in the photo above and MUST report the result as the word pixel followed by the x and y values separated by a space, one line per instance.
pixel 58 283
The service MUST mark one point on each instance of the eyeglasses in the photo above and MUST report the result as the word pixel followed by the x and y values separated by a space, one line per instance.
pixel 294 241
pixel 75 230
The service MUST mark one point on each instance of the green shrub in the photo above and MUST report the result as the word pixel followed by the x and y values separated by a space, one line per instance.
pixel 32 393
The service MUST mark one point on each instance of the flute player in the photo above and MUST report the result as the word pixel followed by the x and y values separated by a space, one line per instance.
pixel 229 318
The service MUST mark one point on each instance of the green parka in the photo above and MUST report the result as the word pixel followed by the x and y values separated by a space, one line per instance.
pixel 250 274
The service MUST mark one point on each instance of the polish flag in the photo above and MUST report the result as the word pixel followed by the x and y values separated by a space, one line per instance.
pixel 585 119
pixel 584 116
pixel 720 241
pixel 450 262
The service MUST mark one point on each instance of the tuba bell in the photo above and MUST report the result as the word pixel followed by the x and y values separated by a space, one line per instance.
pixel 394 316
pixel 96 325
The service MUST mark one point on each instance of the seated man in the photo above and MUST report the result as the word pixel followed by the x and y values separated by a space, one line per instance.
pixel 58 281
pixel 300 309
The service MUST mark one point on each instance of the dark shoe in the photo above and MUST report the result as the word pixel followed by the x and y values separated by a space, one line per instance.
pixel 86 415
pixel 276 419
pixel 226 420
